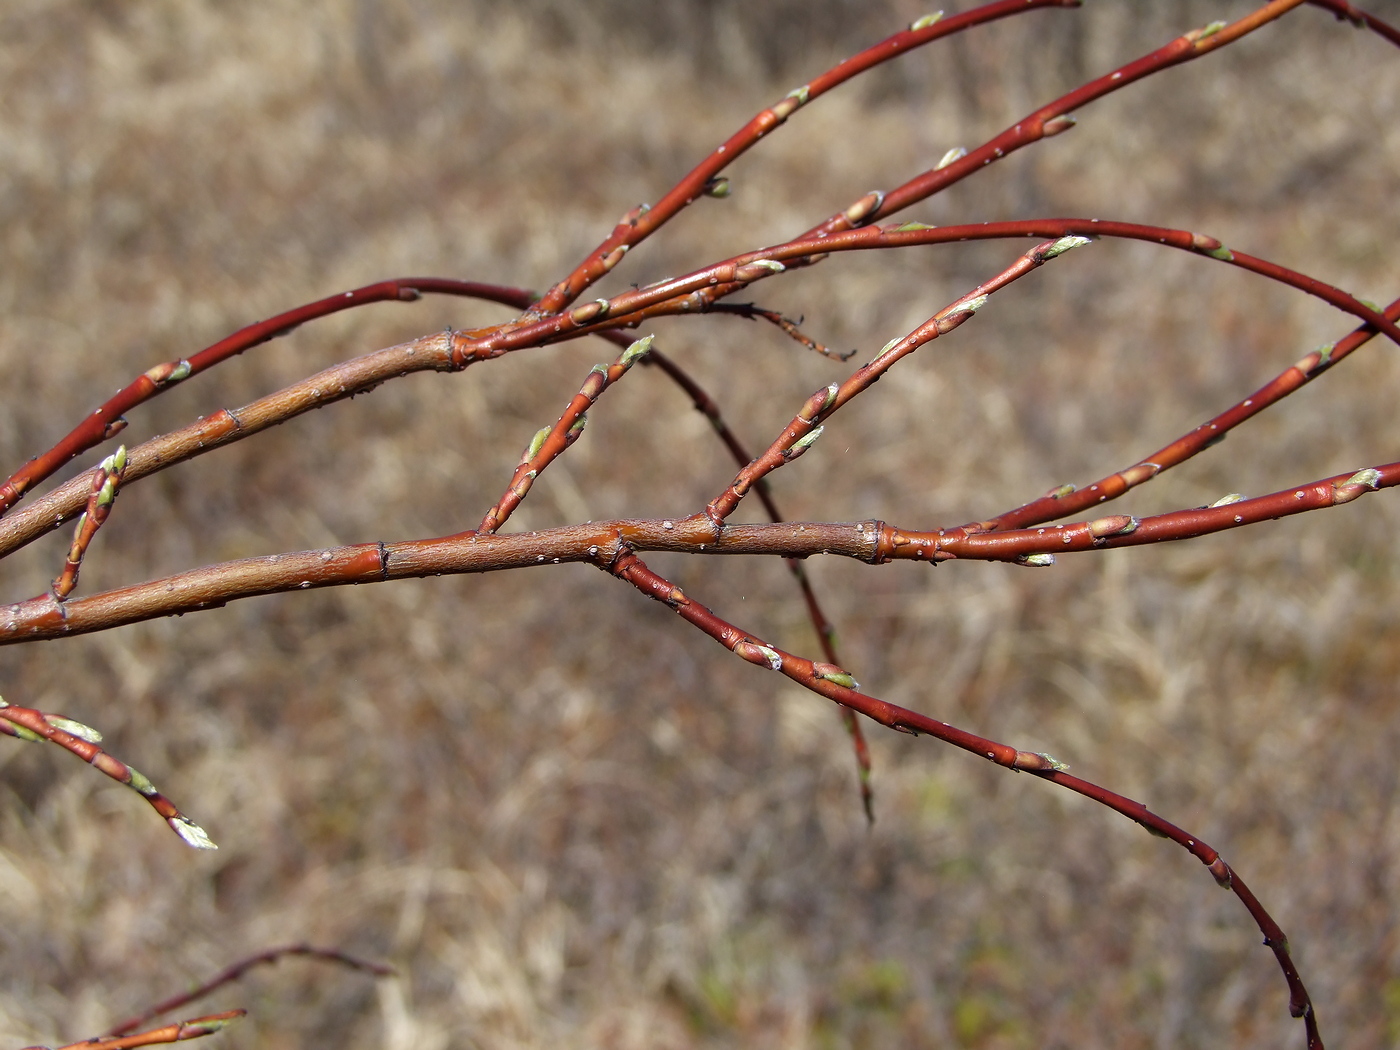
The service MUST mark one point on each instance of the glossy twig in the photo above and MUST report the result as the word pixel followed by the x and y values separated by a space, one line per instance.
pixel 177 1032
pixel 1049 120
pixel 105 482
pixel 28 724
pixel 641 222
pixel 836 684
pixel 218 584
pixel 237 970
pixel 807 425
pixel 108 420
pixel 1066 499
pixel 549 442
pixel 826 632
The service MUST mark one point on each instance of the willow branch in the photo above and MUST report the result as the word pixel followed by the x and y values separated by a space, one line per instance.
pixel 29 724
pixel 237 970
pixel 177 1032
pixel 1048 120
pixel 107 420
pixel 1066 500
pixel 836 684
pixel 641 222
pixel 806 426
pixel 215 585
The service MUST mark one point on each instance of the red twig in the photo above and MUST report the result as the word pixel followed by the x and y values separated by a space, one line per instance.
pixel 237 970
pixel 105 481
pixel 177 1032
pixel 1066 500
pixel 107 420
pixel 645 220
pixel 29 724
pixel 835 684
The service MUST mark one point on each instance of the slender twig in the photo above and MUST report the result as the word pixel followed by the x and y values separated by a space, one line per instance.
pixel 177 1032
pixel 641 222
pixel 106 479
pixel 29 724
pixel 237 970
pixel 836 684
pixel 212 586
pixel 108 420
pixel 789 327
pixel 1065 500
pixel 807 425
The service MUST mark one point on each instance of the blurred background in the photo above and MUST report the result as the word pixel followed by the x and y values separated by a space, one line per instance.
pixel 563 816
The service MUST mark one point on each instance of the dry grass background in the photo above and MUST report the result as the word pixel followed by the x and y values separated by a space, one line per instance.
pixel 565 817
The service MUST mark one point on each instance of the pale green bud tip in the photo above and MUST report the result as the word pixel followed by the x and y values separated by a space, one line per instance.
pixel 1064 244
pixel 1370 305
pixel 191 832
pixel 974 304
pixel 26 734
pixel 1225 501
pixel 771 265
pixel 182 371
pixel 1370 477
pixel 1211 30
pixel 774 660
pixel 801 94
pixel 717 187
pixel 77 729
pixel 1222 253
pixel 911 227
pixel 139 782
pixel 1036 560
pixel 955 154
pixel 926 21
pixel 579 424
pixel 838 677
pixel 805 442
pixel 537 442
pixel 639 349
pixel 890 345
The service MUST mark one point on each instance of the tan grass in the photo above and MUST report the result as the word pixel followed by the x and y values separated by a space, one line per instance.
pixel 565 818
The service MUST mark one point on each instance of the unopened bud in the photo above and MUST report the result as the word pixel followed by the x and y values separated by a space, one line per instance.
pixel 957 153
pixel 925 22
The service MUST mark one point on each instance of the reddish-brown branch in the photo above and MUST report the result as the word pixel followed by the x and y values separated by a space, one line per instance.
pixel 550 442
pixel 1350 12
pixel 237 970
pixel 29 724
pixel 1048 120
pixel 107 420
pixel 215 585
pixel 835 684
pixel 177 1032
pixel 697 291
pixel 641 222
pixel 106 479
pixel 1064 501
pixel 806 426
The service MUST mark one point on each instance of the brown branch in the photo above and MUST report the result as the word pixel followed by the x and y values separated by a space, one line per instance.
pixel 237 970
pixel 641 222
pixel 806 426
pixel 215 585
pixel 1066 500
pixel 177 1032
pixel 29 724
pixel 106 479
pixel 1048 120
pixel 835 684
pixel 107 420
